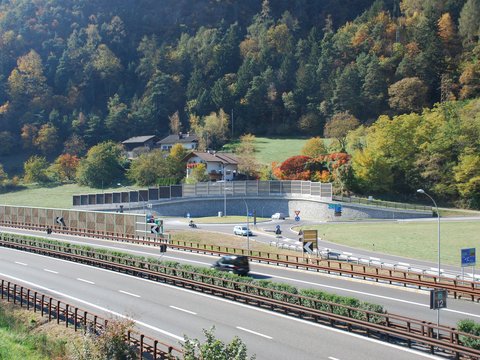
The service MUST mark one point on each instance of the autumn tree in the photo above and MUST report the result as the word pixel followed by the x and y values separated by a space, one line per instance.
pixel 35 170
pixel 175 124
pixel 294 168
pixel 197 174
pixel 314 147
pixel 212 130
pixel 339 126
pixel 245 152
pixel 47 138
pixel 408 95
pixel 64 168
pixel 28 134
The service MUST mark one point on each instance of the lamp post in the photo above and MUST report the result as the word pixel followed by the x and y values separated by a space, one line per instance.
pixel 248 228
pixel 140 195
pixel 224 193
pixel 421 191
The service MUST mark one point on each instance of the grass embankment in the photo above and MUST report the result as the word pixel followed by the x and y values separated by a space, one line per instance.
pixel 24 335
pixel 415 240
pixel 277 149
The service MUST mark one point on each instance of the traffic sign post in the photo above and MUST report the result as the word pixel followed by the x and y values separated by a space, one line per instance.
pixel 468 258
pixel 309 239
pixel 438 299
pixel 297 218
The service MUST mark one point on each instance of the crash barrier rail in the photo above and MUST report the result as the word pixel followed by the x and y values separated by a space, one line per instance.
pixel 458 288
pixel 417 334
pixel 380 203
pixel 374 261
pixel 53 309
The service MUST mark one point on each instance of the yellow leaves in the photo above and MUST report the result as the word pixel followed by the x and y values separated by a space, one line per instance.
pixel 446 28
pixel 360 36
pixel 278 37
pixel 249 48
pixel 4 108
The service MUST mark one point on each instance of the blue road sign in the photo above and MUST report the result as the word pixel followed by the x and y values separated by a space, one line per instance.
pixel 250 214
pixel 297 218
pixel 331 206
pixel 338 208
pixel 468 257
pixel 277 227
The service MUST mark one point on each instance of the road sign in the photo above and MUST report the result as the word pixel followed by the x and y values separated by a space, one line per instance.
pixel 438 299
pixel 250 214
pixel 297 218
pixel 310 236
pixel 331 206
pixel 308 247
pixel 277 227
pixel 297 212
pixel 59 220
pixel 468 257
pixel 155 229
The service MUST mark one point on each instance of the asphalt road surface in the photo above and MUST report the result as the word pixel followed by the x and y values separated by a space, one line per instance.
pixel 167 313
pixel 408 302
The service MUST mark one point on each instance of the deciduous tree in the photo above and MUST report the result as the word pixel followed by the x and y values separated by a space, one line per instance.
pixel 339 126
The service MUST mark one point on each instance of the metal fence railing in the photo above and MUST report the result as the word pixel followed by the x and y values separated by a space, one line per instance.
pixel 81 320
pixel 380 203
pixel 437 339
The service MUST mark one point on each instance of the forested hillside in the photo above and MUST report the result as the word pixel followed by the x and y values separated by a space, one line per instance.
pixel 82 70
pixel 74 73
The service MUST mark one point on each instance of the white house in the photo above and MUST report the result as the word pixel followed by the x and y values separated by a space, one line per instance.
pixel 189 141
pixel 220 166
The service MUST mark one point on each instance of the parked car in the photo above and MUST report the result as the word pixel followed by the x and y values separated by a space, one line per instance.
pixel 242 230
pixel 279 216
pixel 233 263
pixel 330 255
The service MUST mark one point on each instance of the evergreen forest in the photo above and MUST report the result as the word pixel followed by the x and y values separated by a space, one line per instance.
pixel 76 73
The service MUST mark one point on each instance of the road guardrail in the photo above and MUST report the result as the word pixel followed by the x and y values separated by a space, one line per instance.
pixel 82 320
pixel 413 333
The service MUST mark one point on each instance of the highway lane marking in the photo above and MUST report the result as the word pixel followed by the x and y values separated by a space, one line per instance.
pixel 333 358
pixel 154 328
pixel 218 299
pixel 51 271
pixel 364 293
pixel 127 293
pixel 20 263
pixel 86 281
pixel 254 332
pixel 180 309
pixel 296 280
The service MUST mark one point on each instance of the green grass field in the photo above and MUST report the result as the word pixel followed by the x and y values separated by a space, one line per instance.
pixel 270 149
pixel 416 240
pixel 52 197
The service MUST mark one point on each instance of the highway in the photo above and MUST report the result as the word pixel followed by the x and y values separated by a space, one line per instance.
pixel 167 312
pixel 407 302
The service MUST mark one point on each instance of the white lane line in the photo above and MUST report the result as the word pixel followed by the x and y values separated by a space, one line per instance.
pixel 254 332
pixel 51 271
pixel 20 263
pixel 127 293
pixel 364 293
pixel 332 358
pixel 326 328
pixel 180 309
pixel 86 281
pixel 154 328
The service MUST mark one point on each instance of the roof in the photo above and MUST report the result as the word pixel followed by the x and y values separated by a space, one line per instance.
pixel 224 158
pixel 139 139
pixel 179 138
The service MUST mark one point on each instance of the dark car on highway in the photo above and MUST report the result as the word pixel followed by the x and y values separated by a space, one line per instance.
pixel 233 263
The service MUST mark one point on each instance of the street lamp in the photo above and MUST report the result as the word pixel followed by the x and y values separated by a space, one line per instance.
pixel 140 195
pixel 248 228
pixel 224 193
pixel 421 191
